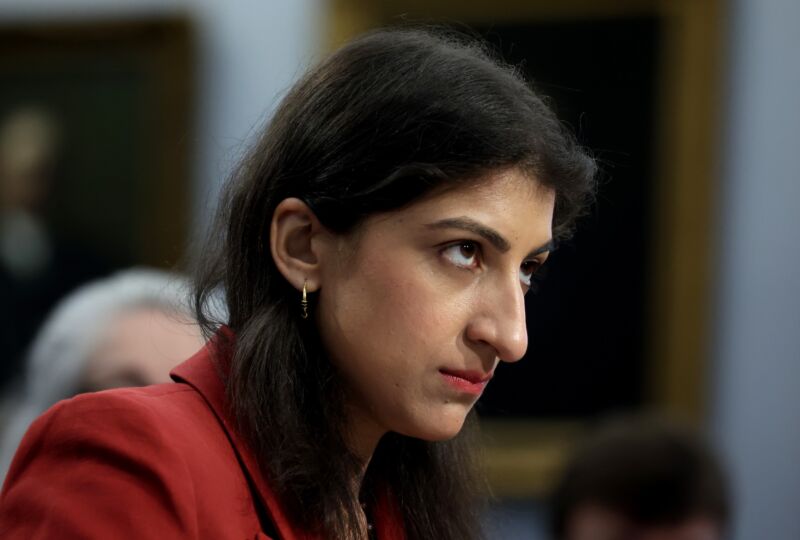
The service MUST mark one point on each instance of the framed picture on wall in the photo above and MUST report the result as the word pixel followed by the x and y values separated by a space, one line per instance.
pixel 95 139
pixel 117 98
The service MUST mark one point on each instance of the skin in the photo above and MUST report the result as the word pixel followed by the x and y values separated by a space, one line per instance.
pixel 416 291
pixel 140 347
pixel 591 522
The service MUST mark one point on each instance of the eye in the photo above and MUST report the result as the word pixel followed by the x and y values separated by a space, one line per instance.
pixel 527 271
pixel 463 254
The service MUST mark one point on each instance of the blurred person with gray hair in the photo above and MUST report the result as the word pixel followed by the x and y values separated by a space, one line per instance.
pixel 129 329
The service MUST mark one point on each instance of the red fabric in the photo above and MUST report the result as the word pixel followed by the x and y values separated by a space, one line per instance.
pixel 154 462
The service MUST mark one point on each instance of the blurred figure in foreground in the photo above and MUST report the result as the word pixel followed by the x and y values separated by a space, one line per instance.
pixel 129 329
pixel 641 479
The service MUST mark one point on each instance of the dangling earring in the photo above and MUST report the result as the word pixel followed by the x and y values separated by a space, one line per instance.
pixel 304 301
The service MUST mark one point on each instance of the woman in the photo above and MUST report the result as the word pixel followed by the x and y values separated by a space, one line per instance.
pixel 374 248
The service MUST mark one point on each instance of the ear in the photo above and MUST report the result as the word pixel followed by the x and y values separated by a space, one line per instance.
pixel 294 241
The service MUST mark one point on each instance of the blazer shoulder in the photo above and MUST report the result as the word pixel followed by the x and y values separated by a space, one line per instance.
pixel 84 464
pixel 167 402
pixel 148 416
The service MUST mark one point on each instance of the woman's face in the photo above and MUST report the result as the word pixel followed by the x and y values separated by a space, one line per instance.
pixel 418 305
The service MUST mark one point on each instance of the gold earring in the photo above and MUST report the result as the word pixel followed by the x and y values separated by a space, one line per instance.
pixel 304 301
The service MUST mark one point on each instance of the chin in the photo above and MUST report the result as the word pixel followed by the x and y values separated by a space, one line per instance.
pixel 447 425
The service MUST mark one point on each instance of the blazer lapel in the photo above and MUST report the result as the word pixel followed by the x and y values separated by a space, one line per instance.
pixel 205 372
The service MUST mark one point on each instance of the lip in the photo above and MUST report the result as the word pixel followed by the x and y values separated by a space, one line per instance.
pixel 470 382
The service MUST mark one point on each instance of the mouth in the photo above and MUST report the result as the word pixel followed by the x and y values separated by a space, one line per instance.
pixel 470 382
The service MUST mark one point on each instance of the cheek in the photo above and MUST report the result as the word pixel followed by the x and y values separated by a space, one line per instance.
pixel 389 313
pixel 424 308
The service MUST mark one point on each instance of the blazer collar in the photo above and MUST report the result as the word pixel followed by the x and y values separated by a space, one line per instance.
pixel 205 372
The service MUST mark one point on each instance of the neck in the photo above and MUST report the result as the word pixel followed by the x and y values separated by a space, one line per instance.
pixel 363 436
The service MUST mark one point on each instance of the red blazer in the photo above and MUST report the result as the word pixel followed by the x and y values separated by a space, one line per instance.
pixel 155 462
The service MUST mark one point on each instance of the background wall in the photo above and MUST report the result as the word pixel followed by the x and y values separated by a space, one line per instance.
pixel 756 380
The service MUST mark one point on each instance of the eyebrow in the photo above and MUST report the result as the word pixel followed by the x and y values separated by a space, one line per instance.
pixel 492 236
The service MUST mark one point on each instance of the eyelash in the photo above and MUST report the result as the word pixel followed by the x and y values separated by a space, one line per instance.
pixel 531 285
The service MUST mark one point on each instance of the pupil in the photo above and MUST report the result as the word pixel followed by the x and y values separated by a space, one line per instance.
pixel 467 250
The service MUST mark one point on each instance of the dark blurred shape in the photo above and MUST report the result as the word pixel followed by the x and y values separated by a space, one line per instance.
pixel 641 479
pixel 37 267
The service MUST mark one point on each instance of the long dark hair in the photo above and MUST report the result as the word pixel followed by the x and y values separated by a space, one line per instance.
pixel 378 124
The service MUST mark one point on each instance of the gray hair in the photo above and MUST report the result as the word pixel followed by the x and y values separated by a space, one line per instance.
pixel 71 333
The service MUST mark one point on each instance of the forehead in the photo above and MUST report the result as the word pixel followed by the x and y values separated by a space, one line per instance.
pixel 506 200
pixel 495 187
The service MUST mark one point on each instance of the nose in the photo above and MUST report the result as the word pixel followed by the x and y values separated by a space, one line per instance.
pixel 499 321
